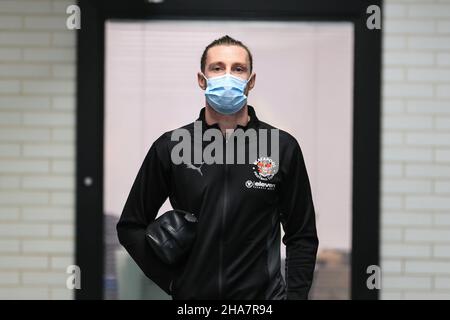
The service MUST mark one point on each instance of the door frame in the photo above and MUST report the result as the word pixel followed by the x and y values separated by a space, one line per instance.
pixel 89 244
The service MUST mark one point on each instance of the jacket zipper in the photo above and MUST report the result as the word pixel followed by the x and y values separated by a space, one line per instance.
pixel 225 202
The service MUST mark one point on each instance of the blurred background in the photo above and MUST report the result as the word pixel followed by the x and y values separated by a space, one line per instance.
pixel 304 86
pixel 37 137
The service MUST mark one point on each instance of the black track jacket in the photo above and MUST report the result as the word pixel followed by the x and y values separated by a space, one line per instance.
pixel 236 254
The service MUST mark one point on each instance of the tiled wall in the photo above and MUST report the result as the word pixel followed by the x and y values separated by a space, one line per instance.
pixel 416 150
pixel 37 100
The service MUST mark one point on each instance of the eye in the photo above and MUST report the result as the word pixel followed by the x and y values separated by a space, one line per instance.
pixel 240 69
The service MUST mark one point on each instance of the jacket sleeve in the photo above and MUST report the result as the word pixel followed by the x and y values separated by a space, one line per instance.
pixel 148 192
pixel 299 225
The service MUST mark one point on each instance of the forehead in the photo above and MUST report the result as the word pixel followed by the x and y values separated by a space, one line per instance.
pixel 227 54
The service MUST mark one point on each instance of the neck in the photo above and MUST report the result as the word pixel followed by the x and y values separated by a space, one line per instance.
pixel 226 121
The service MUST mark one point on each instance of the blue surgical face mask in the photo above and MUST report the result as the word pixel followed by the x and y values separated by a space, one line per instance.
pixel 225 94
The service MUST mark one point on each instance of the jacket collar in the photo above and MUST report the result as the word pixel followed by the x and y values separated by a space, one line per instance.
pixel 252 123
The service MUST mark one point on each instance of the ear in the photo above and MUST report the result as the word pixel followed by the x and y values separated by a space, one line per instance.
pixel 251 83
pixel 201 81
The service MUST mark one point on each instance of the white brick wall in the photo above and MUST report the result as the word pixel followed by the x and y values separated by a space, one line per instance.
pixel 37 115
pixel 415 251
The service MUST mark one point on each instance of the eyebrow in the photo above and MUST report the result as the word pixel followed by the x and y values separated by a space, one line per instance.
pixel 243 64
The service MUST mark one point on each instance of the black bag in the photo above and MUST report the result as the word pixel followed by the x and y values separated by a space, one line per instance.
pixel 172 234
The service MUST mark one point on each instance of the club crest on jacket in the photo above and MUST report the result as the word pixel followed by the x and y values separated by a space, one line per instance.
pixel 264 168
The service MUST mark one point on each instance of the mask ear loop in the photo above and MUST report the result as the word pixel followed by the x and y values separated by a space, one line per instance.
pixel 251 75
pixel 205 78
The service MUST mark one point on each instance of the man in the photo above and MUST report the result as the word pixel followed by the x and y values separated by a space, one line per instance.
pixel 236 253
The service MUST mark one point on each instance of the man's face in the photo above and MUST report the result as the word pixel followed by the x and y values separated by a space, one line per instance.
pixel 227 59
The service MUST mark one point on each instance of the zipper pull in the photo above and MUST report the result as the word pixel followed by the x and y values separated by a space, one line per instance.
pixel 228 133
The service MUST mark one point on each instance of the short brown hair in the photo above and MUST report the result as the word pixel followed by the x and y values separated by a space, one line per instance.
pixel 227 41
